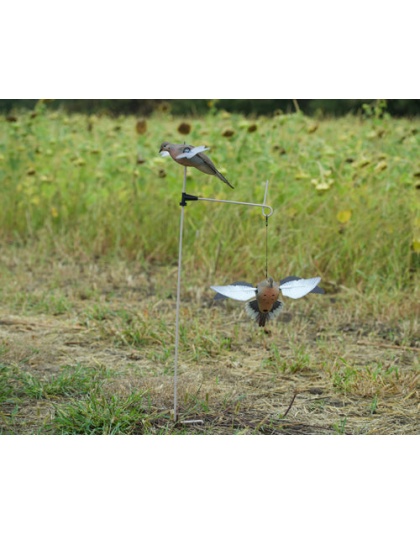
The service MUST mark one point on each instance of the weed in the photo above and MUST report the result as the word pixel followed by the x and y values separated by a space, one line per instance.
pixel 99 414
pixel 340 427
pixel 374 405
pixel 345 377
pixel 297 361
pixel 6 389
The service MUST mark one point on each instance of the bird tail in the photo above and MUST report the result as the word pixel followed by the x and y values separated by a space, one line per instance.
pixel 221 177
pixel 261 318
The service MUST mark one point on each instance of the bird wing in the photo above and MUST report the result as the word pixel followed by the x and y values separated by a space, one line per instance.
pixel 289 278
pixel 219 296
pixel 297 288
pixel 193 152
pixel 236 292
pixel 207 161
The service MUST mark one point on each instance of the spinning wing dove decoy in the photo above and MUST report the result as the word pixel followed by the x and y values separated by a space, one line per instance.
pixel 190 156
pixel 267 306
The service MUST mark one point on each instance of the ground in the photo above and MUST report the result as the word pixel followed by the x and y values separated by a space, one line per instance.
pixel 88 348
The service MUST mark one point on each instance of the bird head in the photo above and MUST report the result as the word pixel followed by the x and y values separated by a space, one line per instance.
pixel 164 149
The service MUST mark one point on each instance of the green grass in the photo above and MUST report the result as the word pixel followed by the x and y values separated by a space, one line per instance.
pixel 76 399
pixel 343 190
pixel 72 380
pixel 99 414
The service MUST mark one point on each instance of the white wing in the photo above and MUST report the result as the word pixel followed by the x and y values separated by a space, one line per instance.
pixel 164 153
pixel 236 292
pixel 193 152
pixel 295 289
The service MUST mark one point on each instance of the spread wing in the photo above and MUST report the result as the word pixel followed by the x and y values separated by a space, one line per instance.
pixel 296 288
pixel 289 278
pixel 192 152
pixel 236 291
pixel 219 296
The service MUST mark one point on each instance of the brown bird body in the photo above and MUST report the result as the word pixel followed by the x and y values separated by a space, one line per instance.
pixel 267 306
pixel 199 160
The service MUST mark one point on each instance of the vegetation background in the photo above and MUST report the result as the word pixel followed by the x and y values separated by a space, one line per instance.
pixel 89 243
pixel 314 107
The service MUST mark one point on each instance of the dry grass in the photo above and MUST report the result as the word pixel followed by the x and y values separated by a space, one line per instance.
pixel 326 367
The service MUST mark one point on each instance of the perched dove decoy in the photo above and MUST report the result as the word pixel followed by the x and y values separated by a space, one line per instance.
pixel 191 156
pixel 267 306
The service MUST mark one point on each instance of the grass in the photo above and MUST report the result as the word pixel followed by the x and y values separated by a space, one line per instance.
pixel 338 191
pixel 89 244
pixel 71 373
pixel 98 414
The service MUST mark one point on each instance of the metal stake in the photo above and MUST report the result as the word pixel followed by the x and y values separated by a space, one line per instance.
pixel 185 198
pixel 178 298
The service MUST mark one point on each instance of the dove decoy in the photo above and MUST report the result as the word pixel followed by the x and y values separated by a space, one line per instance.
pixel 266 305
pixel 191 156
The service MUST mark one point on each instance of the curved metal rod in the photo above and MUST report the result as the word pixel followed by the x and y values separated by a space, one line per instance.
pixel 265 202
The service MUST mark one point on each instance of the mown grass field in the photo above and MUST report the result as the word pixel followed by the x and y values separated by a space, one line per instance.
pixel 89 223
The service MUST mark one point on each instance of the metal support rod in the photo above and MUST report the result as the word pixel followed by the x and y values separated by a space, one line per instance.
pixel 264 206
pixel 178 299
pixel 185 198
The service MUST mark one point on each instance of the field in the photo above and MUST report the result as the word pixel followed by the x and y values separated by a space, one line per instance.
pixel 89 224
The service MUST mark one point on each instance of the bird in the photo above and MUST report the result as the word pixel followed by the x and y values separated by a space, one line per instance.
pixel 191 156
pixel 266 305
